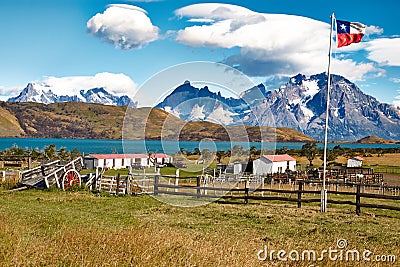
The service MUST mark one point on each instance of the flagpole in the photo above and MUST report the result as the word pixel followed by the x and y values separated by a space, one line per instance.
pixel 324 194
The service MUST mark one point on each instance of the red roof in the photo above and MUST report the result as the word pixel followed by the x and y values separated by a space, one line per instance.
pixel 128 156
pixel 279 158
pixel 358 158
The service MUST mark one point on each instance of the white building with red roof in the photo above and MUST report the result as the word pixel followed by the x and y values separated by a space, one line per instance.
pixel 118 161
pixel 355 162
pixel 268 164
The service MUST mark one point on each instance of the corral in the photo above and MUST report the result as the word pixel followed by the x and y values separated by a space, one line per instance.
pixel 305 186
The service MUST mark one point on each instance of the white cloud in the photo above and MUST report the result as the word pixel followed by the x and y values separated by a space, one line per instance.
pixel 396 102
pixel 356 71
pixel 201 20
pixel 6 92
pixel 369 30
pixel 384 51
pixel 125 26
pixel 116 83
pixel 143 1
pixel 395 80
pixel 212 11
pixel 270 44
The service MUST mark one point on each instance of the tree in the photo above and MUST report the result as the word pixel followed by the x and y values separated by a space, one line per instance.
pixel 254 152
pixel 220 155
pixel 75 153
pixel 207 155
pixel 238 150
pixel 282 150
pixel 196 151
pixel 64 154
pixel 310 151
pixel 330 156
pixel 50 152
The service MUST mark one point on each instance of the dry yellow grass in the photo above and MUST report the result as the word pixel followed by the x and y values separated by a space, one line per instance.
pixel 80 229
pixel 385 159
pixel 375 159
pixel 9 126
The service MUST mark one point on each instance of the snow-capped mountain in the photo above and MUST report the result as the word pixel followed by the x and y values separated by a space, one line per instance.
pixel 299 104
pixel 42 93
pixel 193 104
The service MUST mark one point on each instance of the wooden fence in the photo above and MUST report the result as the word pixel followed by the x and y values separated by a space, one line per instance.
pixel 9 179
pixel 245 189
pixel 298 195
pixel 127 184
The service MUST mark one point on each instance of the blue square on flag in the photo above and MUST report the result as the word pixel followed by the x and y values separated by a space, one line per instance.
pixel 343 27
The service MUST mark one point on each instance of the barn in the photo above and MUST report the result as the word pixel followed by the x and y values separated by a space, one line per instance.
pixel 118 161
pixel 268 164
pixel 355 162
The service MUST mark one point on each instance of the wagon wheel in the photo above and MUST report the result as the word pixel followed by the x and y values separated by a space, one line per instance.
pixel 71 178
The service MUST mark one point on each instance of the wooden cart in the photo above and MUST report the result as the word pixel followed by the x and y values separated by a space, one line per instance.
pixel 54 174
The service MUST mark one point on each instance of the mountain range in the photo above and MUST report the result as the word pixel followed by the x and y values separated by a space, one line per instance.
pixel 42 93
pixel 299 104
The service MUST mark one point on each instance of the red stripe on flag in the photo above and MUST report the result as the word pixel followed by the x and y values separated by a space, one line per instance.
pixel 344 39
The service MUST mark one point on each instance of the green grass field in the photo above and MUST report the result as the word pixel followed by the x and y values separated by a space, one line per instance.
pixel 55 228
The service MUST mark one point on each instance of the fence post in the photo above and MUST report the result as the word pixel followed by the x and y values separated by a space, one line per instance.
pixel 156 181
pixel 205 183
pixel 262 185
pixel 246 192
pixel 358 200
pixel 299 194
pixel 198 187
pixel 117 188
pixel 96 182
pixel 176 180
pixel 337 183
pixel 128 185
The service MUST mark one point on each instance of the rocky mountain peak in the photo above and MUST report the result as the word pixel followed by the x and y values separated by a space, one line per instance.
pixel 42 93
pixel 299 104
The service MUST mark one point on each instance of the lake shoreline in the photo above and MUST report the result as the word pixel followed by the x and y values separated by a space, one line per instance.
pixel 167 146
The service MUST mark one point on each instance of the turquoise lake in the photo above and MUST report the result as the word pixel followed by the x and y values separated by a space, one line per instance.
pixel 169 147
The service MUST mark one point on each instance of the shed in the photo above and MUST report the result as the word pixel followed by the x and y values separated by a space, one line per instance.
pixel 355 162
pixel 118 161
pixel 268 164
pixel 234 168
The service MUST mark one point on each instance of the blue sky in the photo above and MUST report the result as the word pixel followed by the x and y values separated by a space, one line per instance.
pixel 121 44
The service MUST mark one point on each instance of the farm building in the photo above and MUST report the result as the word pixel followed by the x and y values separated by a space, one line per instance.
pixel 355 162
pixel 118 161
pixel 234 168
pixel 268 164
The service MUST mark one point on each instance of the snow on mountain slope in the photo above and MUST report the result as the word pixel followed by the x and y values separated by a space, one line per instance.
pixel 299 104
pixel 42 93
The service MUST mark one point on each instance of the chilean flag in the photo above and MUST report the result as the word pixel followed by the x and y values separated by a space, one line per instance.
pixel 349 32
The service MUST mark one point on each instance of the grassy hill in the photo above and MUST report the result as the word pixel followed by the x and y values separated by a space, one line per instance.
pixel 82 120
pixel 375 140
pixel 9 125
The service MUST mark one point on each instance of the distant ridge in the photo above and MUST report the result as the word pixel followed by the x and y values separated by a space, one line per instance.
pixel 97 121
pixel 374 140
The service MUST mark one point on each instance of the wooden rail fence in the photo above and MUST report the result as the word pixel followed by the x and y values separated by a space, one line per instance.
pixel 247 193
pixel 245 189
pixel 9 179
